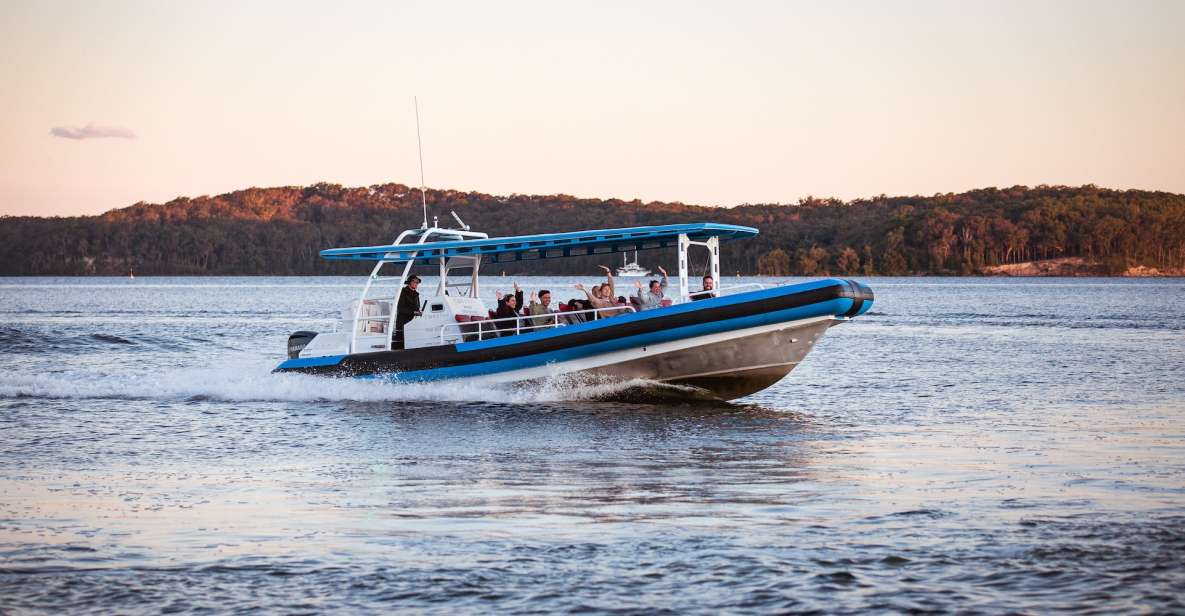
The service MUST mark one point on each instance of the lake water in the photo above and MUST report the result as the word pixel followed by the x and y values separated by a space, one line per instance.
pixel 971 444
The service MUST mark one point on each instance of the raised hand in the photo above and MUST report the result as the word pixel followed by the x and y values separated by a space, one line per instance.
pixel 579 287
pixel 516 289
pixel 638 284
pixel 662 271
pixel 498 295
pixel 534 296
pixel 607 270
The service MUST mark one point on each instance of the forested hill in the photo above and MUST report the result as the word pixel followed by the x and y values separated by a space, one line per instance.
pixel 280 231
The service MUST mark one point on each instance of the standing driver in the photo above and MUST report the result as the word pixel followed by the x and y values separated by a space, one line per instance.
pixel 408 309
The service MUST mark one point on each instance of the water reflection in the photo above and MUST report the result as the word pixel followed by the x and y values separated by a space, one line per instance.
pixel 597 461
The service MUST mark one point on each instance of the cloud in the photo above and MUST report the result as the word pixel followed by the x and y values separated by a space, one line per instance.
pixel 90 131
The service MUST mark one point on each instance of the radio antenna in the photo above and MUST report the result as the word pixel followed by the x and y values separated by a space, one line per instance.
pixel 420 148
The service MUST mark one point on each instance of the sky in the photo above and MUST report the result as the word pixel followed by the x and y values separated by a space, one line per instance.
pixel 107 103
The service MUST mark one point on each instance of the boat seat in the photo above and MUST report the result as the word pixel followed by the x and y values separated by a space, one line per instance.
pixel 666 301
pixel 572 319
pixel 473 326
pixel 635 303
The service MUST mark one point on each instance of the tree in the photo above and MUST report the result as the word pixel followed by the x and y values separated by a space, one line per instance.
pixel 774 263
pixel 848 262
pixel 812 261
pixel 892 260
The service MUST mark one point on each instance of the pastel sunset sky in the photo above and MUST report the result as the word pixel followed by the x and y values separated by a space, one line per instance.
pixel 718 103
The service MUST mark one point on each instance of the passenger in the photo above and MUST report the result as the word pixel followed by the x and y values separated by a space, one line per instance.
pixel 609 295
pixel 518 297
pixel 540 309
pixel 597 299
pixel 652 298
pixel 708 292
pixel 408 309
pixel 508 309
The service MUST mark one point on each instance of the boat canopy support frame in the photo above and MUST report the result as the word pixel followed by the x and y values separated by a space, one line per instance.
pixel 713 246
pixel 424 237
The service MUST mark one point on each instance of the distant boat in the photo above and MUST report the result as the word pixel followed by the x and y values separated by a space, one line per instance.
pixel 631 270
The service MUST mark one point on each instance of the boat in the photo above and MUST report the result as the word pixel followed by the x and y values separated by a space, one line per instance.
pixel 631 269
pixel 727 342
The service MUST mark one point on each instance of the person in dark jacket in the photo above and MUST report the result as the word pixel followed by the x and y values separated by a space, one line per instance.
pixel 408 309
pixel 709 290
pixel 508 307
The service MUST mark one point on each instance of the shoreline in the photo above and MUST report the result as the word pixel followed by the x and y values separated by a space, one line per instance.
pixel 1077 267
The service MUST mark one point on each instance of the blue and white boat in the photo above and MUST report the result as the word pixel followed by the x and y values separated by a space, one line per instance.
pixel 732 342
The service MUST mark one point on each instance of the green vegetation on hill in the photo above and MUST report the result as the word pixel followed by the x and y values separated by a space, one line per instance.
pixel 280 231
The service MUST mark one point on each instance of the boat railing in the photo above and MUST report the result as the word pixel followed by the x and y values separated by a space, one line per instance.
pixel 370 317
pixel 730 289
pixel 482 328
pixel 380 327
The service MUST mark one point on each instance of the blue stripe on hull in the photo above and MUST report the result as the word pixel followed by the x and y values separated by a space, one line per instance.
pixel 311 362
pixel 827 308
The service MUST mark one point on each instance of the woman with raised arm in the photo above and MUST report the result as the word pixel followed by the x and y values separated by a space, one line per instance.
pixel 508 308
pixel 596 300
pixel 612 291
pixel 609 294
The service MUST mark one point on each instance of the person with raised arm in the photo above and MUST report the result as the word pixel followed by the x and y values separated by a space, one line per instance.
pixel 651 298
pixel 508 307
pixel 607 289
pixel 597 299
pixel 540 310
pixel 608 292
pixel 518 297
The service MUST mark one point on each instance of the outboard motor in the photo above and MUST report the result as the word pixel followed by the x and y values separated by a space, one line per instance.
pixel 298 341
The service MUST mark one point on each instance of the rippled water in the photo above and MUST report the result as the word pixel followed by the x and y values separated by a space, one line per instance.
pixel 971 444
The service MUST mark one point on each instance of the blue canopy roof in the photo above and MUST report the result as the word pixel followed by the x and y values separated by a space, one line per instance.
pixel 544 246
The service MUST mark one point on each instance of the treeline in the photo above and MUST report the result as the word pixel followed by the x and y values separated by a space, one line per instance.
pixel 280 231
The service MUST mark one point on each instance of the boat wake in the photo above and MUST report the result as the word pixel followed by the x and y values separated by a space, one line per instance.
pixel 256 383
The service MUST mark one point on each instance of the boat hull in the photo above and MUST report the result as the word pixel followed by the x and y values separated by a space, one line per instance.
pixel 733 367
pixel 726 365
pixel 731 346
